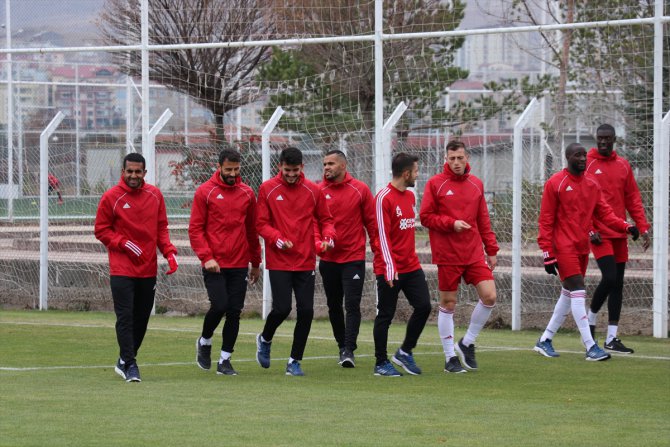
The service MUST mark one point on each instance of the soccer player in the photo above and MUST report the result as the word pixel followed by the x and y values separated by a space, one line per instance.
pixel 54 185
pixel 570 201
pixel 610 247
pixel 223 235
pixel 288 206
pixel 131 221
pixel 343 268
pixel 397 267
pixel 454 210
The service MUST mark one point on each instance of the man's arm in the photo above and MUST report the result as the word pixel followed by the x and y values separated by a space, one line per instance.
pixel 604 213
pixel 368 212
pixel 197 228
pixel 252 232
pixel 634 206
pixel 429 213
pixel 382 213
pixel 547 220
pixel 324 220
pixel 104 226
pixel 163 239
pixel 484 225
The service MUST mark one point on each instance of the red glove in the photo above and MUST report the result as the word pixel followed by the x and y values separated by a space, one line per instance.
pixel 133 251
pixel 172 262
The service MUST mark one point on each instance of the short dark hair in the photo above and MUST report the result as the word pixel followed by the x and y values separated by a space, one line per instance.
pixel 337 152
pixel 291 156
pixel 572 147
pixel 134 157
pixel 229 154
pixel 606 128
pixel 455 145
pixel 402 162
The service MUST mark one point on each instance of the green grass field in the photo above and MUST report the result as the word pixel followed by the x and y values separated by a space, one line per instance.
pixel 58 387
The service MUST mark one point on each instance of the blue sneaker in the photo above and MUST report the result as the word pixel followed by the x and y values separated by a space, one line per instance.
pixel 387 369
pixel 120 369
pixel 545 348
pixel 407 362
pixel 133 372
pixel 595 354
pixel 263 351
pixel 294 369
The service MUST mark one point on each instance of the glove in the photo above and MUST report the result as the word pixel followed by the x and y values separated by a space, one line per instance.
pixel 632 230
pixel 134 251
pixel 595 238
pixel 172 262
pixel 550 264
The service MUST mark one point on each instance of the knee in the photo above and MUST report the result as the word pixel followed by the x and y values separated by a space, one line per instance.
pixel 233 314
pixel 488 299
pixel 218 307
pixel 282 310
pixel 423 308
pixel 305 314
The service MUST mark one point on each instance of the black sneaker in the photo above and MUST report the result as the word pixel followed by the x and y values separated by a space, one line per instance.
pixel 346 359
pixel 225 368
pixel 617 346
pixel 453 365
pixel 203 355
pixel 132 372
pixel 120 369
pixel 467 355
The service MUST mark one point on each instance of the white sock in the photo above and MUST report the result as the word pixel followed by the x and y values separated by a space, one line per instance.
pixel 205 341
pixel 578 306
pixel 611 332
pixel 291 360
pixel 445 327
pixel 478 319
pixel 224 356
pixel 561 310
pixel 592 318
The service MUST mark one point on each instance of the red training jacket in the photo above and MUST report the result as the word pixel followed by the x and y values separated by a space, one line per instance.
pixel 619 190
pixel 569 204
pixel 223 224
pixel 447 198
pixel 394 211
pixel 353 208
pixel 137 215
pixel 287 212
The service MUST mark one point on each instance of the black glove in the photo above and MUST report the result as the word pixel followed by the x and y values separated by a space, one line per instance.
pixel 632 230
pixel 595 238
pixel 551 265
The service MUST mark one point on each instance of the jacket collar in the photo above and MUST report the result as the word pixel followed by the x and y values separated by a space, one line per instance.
pixel 216 178
pixel 452 176
pixel 301 179
pixel 593 152
pixel 347 178
pixel 127 188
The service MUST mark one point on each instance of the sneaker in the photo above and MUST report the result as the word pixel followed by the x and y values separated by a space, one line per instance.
pixel 294 369
pixel 120 369
pixel 545 348
pixel 617 346
pixel 224 368
pixel 407 362
pixel 595 354
pixel 453 365
pixel 263 351
pixel 387 369
pixel 346 359
pixel 467 355
pixel 132 373
pixel 203 355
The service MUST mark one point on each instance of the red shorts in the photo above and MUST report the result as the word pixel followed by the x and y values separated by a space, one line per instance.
pixel 612 247
pixel 571 264
pixel 449 276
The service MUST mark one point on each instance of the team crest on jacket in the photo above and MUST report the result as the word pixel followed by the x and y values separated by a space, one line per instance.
pixel 398 211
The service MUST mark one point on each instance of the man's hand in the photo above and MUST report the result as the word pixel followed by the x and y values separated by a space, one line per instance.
pixel 172 262
pixel 326 245
pixel 284 245
pixel 212 266
pixel 633 231
pixel 646 240
pixel 395 278
pixel 492 261
pixel 550 265
pixel 254 274
pixel 134 251
pixel 595 238
pixel 461 225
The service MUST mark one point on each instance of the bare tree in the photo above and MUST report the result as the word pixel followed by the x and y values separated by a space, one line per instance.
pixel 218 78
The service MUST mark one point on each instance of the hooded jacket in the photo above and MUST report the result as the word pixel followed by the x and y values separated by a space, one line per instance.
pixel 447 198
pixel 223 224
pixel 138 215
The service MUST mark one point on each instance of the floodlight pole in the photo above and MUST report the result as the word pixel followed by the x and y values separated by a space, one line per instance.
pixel 265 158
pixel 517 172
pixel 44 208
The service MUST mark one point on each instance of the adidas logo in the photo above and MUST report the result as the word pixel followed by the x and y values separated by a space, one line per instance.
pixel 328 196
pixel 126 205
pixel 569 188
pixel 356 276
pixel 598 171
pixel 219 196
pixel 450 193
pixel 279 197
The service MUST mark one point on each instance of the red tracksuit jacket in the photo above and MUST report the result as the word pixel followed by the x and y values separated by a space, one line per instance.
pixel 394 211
pixel 138 215
pixel 288 212
pixel 353 208
pixel 223 224
pixel 619 190
pixel 447 198
pixel 569 204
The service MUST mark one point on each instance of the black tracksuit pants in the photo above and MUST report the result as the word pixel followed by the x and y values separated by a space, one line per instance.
pixel 226 291
pixel 133 301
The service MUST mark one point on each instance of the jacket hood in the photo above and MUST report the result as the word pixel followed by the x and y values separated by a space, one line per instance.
pixel 347 178
pixel 301 179
pixel 125 187
pixel 216 178
pixel 449 173
pixel 595 154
